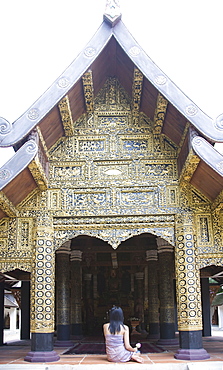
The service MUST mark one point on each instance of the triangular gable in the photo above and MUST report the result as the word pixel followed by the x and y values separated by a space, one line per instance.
pixel 10 134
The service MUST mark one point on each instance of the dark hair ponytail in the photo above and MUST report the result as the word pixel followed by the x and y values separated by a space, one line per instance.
pixel 116 319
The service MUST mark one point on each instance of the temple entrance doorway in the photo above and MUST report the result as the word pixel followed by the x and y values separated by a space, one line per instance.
pixel 110 277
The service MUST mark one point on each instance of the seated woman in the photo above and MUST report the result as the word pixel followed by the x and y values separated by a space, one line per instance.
pixel 116 334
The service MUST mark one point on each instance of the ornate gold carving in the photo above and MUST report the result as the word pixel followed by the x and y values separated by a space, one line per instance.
pixel 38 173
pixel 217 217
pixel 113 179
pixel 43 277
pixel 210 259
pixel 114 230
pixel 6 206
pixel 10 265
pixel 183 136
pixel 15 244
pixel 87 80
pixel 218 202
pixel 25 235
pixel 112 97
pixel 136 94
pixel 54 199
pixel 66 116
pixel 42 141
pixel 189 168
pixel 160 112
pixel 204 233
pixel 31 202
pixel 172 196
pixel 187 275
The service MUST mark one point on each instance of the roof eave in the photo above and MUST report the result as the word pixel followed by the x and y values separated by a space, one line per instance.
pixel 208 153
pixel 18 162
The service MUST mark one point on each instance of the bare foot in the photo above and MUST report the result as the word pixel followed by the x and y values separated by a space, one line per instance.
pixel 137 358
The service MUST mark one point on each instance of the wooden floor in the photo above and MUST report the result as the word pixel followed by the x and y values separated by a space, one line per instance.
pixel 14 355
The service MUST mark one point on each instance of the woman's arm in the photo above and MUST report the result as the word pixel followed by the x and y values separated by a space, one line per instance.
pixel 126 340
pixel 105 329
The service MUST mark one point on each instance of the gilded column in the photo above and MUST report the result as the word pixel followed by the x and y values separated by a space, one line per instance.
pixel 63 295
pixel 42 292
pixel 153 293
pixel 76 293
pixel 188 291
pixel 166 292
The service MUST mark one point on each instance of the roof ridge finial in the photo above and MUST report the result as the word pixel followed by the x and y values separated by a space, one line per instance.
pixel 112 12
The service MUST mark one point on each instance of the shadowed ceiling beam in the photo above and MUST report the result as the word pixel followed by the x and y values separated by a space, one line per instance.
pixel 87 80
pixel 66 116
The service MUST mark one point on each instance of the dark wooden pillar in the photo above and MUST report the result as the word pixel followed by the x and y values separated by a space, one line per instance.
pixel 25 310
pixel 76 287
pixel 166 292
pixel 205 299
pixel 63 296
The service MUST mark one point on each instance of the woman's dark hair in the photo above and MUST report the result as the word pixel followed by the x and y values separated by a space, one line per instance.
pixel 116 319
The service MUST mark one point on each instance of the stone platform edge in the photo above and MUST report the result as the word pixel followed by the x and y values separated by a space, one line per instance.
pixel 197 365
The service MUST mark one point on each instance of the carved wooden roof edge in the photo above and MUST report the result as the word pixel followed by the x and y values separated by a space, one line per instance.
pixel 10 134
pixel 18 162
pixel 207 153
pixel 211 129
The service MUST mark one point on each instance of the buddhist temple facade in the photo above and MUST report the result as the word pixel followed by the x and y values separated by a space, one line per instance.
pixel 113 197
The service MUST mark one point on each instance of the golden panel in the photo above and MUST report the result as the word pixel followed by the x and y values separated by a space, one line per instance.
pixel 136 94
pixel 38 173
pixel 160 113
pixel 66 116
pixel 189 168
pixel 25 234
pixel 54 199
pixel 10 265
pixel 172 196
pixel 6 206
pixel 3 245
pixel 87 80
pixel 4 224
pixel 204 233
